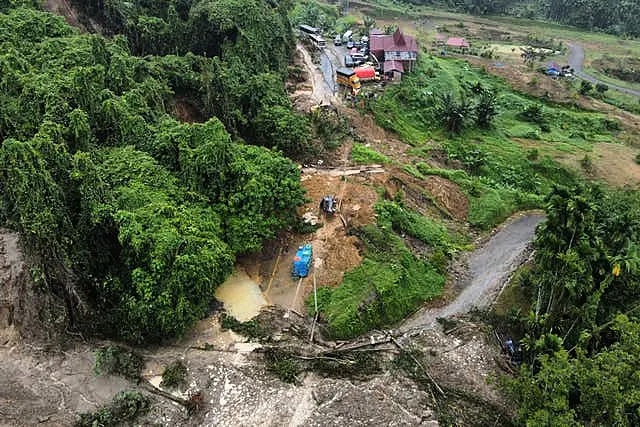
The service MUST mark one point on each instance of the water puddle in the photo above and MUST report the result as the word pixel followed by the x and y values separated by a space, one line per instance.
pixel 241 296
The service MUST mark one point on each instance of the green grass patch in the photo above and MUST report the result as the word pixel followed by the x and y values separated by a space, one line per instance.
pixel 394 216
pixel 413 171
pixel 497 204
pixel 517 296
pixel 365 155
pixel 496 169
pixel 392 281
pixel 125 407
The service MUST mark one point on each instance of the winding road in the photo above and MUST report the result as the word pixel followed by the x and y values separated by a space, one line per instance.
pixel 576 61
pixel 489 268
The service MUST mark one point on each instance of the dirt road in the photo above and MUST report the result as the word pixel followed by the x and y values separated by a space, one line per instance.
pixel 322 93
pixel 576 61
pixel 489 268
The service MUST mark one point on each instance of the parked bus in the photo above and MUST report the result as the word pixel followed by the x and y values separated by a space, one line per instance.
pixel 308 30
pixel 318 41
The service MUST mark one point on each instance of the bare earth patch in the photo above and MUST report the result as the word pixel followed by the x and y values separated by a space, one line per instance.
pixel 615 164
pixel 448 195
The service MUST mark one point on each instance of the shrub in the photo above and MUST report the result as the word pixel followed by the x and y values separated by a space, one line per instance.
pixel 533 154
pixel 250 329
pixel 454 114
pixel 586 163
pixel 486 109
pixel 301 226
pixel 364 155
pixel 283 365
pixel 638 158
pixel 533 113
pixel 585 88
pixel 125 407
pixel 116 360
pixel 174 375
pixel 601 88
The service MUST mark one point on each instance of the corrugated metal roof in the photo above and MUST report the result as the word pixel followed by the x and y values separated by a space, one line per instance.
pixel 392 43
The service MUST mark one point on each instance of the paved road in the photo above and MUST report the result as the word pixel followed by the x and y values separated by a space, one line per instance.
pixel 322 92
pixel 576 61
pixel 489 268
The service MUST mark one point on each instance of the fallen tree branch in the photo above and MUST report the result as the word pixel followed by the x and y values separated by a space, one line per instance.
pixel 333 359
pixel 206 348
pixel 417 362
pixel 151 389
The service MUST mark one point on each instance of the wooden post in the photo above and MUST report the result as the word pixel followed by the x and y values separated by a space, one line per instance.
pixel 315 305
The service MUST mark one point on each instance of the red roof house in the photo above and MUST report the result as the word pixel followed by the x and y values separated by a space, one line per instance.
pixel 390 66
pixel 399 49
pixel 458 42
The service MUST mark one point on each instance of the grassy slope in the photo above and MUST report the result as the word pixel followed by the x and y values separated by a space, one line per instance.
pixel 392 281
pixel 503 172
pixel 506 168
pixel 594 42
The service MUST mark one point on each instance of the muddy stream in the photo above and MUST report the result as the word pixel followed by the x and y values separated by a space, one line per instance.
pixel 241 296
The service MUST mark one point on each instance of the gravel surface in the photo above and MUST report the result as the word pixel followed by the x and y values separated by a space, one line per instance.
pixel 489 268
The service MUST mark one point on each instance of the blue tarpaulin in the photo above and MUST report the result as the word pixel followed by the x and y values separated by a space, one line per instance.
pixel 302 261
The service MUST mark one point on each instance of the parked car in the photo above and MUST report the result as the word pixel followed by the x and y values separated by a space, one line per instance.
pixel 358 58
pixel 337 40
pixel 350 44
pixel 348 61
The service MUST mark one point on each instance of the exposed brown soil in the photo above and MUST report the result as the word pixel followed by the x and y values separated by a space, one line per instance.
pixel 335 252
pixel 448 195
pixel 25 310
pixel 613 163
pixel 186 112
pixel 63 8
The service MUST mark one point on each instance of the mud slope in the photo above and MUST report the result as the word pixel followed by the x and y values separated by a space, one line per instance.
pixel 489 268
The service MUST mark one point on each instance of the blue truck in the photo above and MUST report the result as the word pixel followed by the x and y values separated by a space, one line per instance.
pixel 302 261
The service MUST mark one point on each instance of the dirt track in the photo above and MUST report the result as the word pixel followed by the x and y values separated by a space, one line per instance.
pixel 489 268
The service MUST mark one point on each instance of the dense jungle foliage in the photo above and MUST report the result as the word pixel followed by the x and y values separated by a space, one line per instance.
pixel 135 217
pixel 615 16
pixel 583 331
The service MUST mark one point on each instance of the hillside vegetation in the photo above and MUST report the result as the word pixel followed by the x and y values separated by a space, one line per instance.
pixel 582 335
pixel 499 141
pixel 136 217
pixel 613 16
